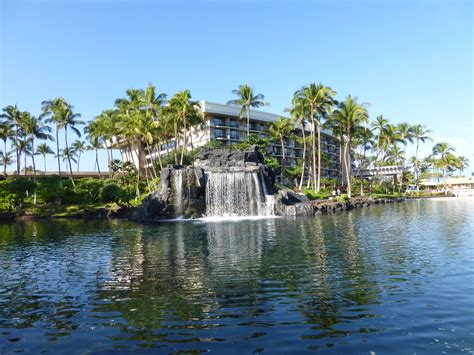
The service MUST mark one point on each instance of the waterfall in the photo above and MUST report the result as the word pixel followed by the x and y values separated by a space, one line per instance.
pixel 239 193
pixel 178 192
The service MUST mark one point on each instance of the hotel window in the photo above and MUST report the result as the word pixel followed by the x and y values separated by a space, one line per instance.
pixel 253 126
pixel 233 123
pixel 277 150
pixel 234 135
pixel 218 121
pixel 219 133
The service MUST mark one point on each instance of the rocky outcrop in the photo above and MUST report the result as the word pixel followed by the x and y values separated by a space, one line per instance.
pixel 183 189
pixel 315 207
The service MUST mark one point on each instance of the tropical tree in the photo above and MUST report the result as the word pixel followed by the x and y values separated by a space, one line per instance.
pixel 247 100
pixel 93 135
pixel 298 115
pixel 53 112
pixel 441 150
pixel 12 117
pixel 281 130
pixel 420 134
pixel 463 163
pixel 6 132
pixel 318 101
pixel 185 110
pixel 79 147
pixel 44 149
pixel 352 116
pixel 68 155
pixel 405 131
pixel 34 128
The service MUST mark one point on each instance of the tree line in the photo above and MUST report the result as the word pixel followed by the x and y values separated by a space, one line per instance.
pixel 144 121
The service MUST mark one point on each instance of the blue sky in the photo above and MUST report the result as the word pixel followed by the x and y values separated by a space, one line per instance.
pixel 411 60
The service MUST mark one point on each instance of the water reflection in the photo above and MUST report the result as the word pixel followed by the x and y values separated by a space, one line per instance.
pixel 335 282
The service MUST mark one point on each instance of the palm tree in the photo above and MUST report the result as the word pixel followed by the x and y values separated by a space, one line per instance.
pixel 61 113
pixel 351 115
pixel 186 110
pixel 6 160
pixel 6 132
pixel 442 149
pixel 53 112
pixel 12 117
pixel 23 146
pixel 420 134
pixel 79 147
pixel 298 114
pixel 406 134
pixel 93 135
pixel 247 100
pixel 35 129
pixel 44 149
pixel 318 100
pixel 69 154
pixel 281 129
pixel 463 163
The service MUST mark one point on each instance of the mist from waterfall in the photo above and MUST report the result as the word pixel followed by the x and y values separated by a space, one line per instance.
pixel 233 194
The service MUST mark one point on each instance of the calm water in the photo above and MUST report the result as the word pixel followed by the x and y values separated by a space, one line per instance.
pixel 385 279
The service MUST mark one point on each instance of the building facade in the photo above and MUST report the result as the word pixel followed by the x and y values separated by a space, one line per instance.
pixel 222 123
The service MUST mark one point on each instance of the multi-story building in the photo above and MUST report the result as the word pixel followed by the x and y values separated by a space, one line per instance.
pixel 222 123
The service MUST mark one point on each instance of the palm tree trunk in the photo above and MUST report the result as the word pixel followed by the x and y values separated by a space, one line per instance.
pixel 304 159
pixel 348 170
pixel 17 151
pixel 78 160
pixel 185 141
pixel 283 158
pixel 313 145
pixel 69 160
pixel 34 166
pixel 248 121
pixel 318 188
pixel 5 157
pixel 59 161
pixel 416 167
pixel 44 162
pixel 97 160
pixel 151 159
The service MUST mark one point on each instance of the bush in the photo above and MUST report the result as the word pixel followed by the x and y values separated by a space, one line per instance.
pixel 111 193
pixel 313 195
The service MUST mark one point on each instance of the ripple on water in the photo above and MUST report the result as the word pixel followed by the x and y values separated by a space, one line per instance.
pixel 364 281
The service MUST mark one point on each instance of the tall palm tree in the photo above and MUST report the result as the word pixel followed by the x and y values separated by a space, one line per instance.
pixel 352 115
pixel 53 111
pixel 61 113
pixel 6 132
pixel 186 110
pixel 281 129
pixel 405 131
pixel 318 100
pixel 44 149
pixel 93 135
pixel 12 116
pixel 463 163
pixel 298 114
pixel 420 134
pixel 247 100
pixel 7 159
pixel 79 147
pixel 23 146
pixel 442 149
pixel 68 155
pixel 34 128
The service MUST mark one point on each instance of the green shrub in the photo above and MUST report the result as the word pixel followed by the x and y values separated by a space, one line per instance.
pixel 111 192
pixel 313 195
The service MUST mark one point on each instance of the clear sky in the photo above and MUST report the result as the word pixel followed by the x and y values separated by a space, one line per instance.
pixel 411 60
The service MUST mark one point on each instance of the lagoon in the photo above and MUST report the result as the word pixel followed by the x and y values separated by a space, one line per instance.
pixel 395 278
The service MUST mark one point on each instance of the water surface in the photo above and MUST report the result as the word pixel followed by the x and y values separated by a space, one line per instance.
pixel 385 279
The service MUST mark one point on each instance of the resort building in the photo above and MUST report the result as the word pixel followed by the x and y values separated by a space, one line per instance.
pixel 222 123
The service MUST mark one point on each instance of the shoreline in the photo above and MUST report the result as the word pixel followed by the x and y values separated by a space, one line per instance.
pixel 318 207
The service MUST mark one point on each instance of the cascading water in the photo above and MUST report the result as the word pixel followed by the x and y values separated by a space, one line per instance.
pixel 178 191
pixel 230 194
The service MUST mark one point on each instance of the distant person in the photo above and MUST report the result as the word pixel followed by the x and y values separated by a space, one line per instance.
pixel 338 192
